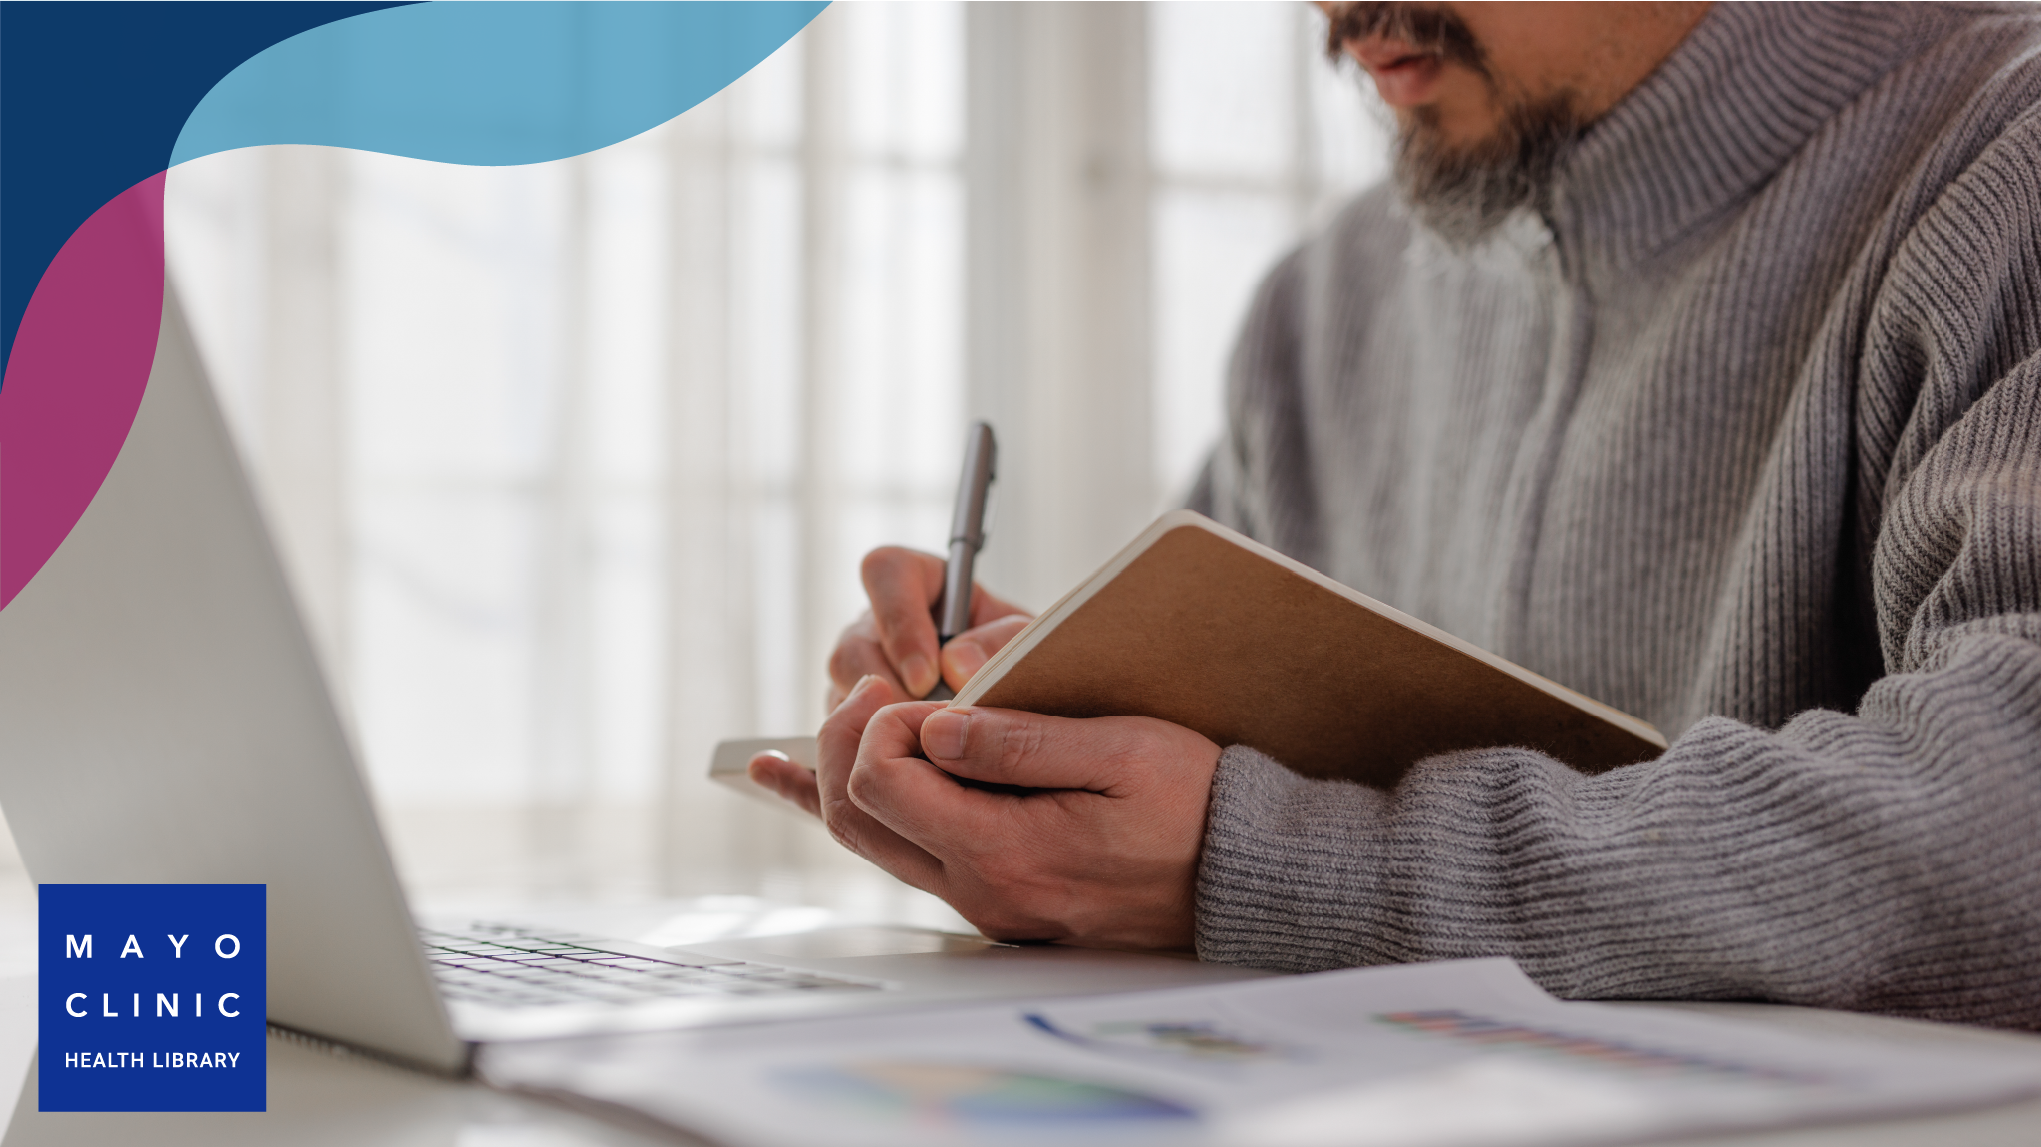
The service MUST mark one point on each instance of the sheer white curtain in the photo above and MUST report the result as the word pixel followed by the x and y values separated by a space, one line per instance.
pixel 572 463
pixel 1256 138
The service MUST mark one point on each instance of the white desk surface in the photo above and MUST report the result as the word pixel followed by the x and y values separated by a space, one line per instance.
pixel 317 1098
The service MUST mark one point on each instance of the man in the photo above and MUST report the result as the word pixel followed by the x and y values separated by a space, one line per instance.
pixel 1693 361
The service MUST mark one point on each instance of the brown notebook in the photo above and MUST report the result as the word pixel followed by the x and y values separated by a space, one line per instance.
pixel 1197 624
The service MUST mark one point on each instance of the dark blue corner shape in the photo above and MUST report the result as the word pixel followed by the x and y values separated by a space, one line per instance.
pixel 92 96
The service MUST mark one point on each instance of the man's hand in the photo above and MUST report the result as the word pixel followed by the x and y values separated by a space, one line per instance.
pixel 896 638
pixel 1102 850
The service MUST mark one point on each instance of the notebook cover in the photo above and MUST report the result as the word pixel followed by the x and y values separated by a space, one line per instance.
pixel 1202 626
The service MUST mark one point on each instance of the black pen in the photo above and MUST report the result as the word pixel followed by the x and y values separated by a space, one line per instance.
pixel 967 537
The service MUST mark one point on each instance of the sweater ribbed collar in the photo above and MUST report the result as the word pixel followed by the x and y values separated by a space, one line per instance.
pixel 1745 91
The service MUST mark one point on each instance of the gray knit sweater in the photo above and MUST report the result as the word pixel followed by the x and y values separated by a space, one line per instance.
pixel 1744 438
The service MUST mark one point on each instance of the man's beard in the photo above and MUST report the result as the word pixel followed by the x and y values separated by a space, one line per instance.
pixel 1464 191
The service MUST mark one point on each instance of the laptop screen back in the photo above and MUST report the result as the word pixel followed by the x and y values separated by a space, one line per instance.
pixel 163 719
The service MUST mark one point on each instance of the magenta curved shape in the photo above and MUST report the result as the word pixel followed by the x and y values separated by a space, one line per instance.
pixel 80 364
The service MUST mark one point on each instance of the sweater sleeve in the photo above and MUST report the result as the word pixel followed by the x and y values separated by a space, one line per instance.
pixel 1887 859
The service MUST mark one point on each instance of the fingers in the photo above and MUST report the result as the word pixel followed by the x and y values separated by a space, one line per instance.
pixel 792 782
pixel 1114 867
pixel 903 586
pixel 1013 748
pixel 914 799
pixel 858 655
pixel 836 745
pixel 897 638
pixel 852 826
pixel 968 651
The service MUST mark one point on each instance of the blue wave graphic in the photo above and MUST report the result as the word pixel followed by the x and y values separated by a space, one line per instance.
pixel 489 83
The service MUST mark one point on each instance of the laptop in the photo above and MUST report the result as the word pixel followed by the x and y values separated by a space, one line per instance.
pixel 163 719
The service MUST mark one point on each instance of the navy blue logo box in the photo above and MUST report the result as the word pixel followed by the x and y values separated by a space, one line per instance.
pixel 152 997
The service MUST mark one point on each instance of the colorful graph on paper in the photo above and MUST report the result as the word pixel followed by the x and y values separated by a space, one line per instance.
pixel 1494 1033
pixel 977 1098
pixel 1199 1041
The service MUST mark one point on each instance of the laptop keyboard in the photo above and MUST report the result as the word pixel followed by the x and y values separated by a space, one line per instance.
pixel 513 968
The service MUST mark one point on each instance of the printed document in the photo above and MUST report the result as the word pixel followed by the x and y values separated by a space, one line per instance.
pixel 1463 1052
